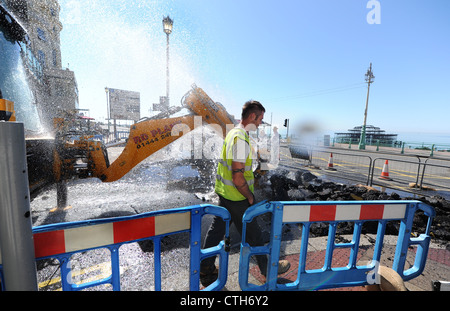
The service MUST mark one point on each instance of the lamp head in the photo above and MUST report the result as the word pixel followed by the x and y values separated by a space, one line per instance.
pixel 168 25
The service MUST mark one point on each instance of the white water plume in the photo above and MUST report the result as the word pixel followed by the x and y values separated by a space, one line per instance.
pixel 127 53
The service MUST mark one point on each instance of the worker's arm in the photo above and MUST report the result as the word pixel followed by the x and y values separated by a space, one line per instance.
pixel 239 181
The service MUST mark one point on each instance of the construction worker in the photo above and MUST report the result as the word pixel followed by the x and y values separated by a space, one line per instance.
pixel 235 187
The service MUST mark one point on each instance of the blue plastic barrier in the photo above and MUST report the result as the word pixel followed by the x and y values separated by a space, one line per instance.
pixel 61 241
pixel 358 212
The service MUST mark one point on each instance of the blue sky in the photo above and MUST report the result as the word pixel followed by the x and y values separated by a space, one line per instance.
pixel 304 60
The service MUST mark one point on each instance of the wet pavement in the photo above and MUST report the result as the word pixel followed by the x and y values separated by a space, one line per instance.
pixel 155 185
pixel 151 186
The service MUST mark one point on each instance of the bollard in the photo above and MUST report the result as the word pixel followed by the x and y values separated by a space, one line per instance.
pixel 16 237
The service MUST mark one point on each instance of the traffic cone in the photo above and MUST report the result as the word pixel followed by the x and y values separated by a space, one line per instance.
pixel 330 163
pixel 385 172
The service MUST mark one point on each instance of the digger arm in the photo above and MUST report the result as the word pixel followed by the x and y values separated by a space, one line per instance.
pixel 149 136
pixel 145 139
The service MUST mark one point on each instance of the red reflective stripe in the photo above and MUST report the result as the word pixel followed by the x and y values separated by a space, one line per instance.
pixel 135 229
pixel 322 213
pixel 49 243
pixel 369 212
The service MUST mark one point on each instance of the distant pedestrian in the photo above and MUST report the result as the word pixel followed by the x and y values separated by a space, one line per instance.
pixel 275 147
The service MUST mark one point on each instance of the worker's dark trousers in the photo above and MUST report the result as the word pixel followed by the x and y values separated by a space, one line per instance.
pixel 216 233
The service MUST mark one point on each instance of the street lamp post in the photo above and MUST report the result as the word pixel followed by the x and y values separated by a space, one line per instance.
pixel 369 79
pixel 107 107
pixel 167 26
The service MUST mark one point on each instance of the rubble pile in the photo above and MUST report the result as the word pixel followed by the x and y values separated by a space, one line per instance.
pixel 283 185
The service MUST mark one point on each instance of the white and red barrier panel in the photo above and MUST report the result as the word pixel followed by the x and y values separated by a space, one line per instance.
pixel 62 240
pixel 72 240
pixel 343 212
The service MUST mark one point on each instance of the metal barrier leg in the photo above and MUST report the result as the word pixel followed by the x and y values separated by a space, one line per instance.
pixel 405 241
pixel 16 237
pixel 195 239
pixel 222 250
pixel 157 257
pixel 66 273
pixel 115 268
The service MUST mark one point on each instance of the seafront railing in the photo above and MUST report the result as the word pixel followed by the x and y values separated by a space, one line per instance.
pixel 411 172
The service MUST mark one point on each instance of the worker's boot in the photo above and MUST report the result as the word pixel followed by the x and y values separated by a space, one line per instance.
pixel 283 266
pixel 207 278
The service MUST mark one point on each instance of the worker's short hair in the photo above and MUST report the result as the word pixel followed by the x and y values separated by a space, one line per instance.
pixel 252 106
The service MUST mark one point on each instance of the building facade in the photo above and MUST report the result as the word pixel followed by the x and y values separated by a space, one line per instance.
pixel 57 92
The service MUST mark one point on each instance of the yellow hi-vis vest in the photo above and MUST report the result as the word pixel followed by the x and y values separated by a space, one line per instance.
pixel 224 179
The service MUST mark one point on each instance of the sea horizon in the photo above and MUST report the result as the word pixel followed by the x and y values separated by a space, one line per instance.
pixel 426 138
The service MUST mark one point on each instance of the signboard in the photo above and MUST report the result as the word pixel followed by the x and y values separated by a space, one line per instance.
pixel 163 104
pixel 124 105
